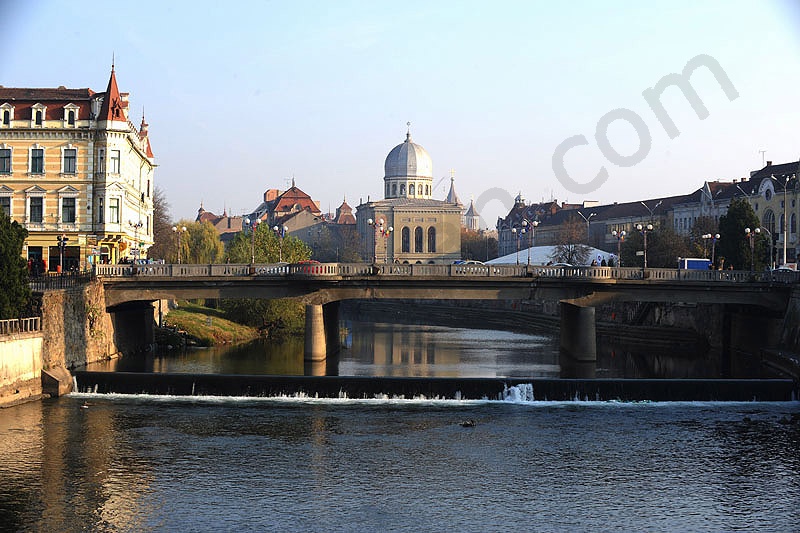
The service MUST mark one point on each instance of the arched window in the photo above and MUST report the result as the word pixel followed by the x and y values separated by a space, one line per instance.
pixel 418 240
pixel 71 118
pixel 769 221
pixel 793 223
pixel 402 189
pixel 411 190
pixel 406 238
pixel 431 240
pixel 6 117
pixel 387 190
pixel 38 118
pixel 783 225
pixel 394 189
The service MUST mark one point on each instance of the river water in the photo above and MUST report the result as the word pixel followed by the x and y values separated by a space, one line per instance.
pixel 89 462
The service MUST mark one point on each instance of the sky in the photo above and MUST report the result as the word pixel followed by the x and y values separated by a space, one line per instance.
pixel 243 97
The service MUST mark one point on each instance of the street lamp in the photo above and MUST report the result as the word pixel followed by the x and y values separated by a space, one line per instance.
pixel 515 231
pixel 586 219
pixel 280 231
pixel 136 226
pixel 530 229
pixel 252 224
pixel 644 230
pixel 380 231
pixel 713 238
pixel 652 216
pixel 750 236
pixel 620 236
pixel 62 244
pixel 178 231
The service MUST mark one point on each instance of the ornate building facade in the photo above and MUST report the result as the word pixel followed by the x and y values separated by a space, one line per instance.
pixel 77 174
pixel 408 225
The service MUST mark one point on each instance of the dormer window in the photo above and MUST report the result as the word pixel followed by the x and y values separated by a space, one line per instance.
pixel 38 115
pixel 70 115
pixel 6 115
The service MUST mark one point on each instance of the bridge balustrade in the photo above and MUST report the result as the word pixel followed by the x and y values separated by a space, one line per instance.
pixel 20 325
pixel 428 270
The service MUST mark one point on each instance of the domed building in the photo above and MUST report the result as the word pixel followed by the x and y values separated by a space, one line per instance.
pixel 408 225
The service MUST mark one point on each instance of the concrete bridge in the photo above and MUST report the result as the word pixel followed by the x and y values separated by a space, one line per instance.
pixel 321 285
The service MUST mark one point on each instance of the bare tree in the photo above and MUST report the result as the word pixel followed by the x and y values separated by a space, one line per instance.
pixel 164 245
pixel 570 248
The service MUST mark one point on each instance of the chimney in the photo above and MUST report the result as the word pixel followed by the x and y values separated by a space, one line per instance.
pixel 769 163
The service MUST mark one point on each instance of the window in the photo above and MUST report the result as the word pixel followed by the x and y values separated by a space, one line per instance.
pixel 100 210
pixel 101 160
pixel 37 160
pixel 402 189
pixel 68 210
pixel 5 160
pixel 71 117
pixel 5 205
pixel 418 240
pixel 115 161
pixel 38 119
pixel 394 190
pixel 793 223
pixel 769 221
pixel 768 195
pixel 431 240
pixel 113 210
pixel 406 238
pixel 6 117
pixel 411 190
pixel 70 160
pixel 36 209
pixel 6 114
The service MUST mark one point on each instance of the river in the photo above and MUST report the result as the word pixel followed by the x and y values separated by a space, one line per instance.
pixel 90 462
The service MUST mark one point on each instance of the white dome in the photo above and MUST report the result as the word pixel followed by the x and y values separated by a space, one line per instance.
pixel 408 160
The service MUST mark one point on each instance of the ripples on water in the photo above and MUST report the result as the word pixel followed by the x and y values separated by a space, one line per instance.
pixel 127 463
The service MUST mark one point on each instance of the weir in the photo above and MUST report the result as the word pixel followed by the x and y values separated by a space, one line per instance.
pixel 359 387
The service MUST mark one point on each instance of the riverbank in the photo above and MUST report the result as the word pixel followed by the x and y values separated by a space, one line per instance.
pixel 191 324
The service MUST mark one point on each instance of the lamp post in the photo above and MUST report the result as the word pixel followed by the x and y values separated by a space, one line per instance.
pixel 515 231
pixel 252 224
pixel 586 219
pixel 785 220
pixel 644 230
pixel 652 215
pixel 620 236
pixel 714 240
pixel 280 231
pixel 62 244
pixel 380 231
pixel 530 229
pixel 750 236
pixel 178 231
pixel 136 226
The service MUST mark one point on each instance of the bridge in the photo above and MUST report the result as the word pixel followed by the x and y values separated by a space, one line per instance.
pixel 321 285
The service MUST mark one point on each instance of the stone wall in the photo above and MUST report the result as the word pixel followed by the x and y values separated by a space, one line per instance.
pixel 76 328
pixel 20 367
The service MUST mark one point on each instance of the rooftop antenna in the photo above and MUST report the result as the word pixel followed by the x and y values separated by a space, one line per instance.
pixel 762 152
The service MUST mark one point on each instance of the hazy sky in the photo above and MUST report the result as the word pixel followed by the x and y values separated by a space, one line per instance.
pixel 241 96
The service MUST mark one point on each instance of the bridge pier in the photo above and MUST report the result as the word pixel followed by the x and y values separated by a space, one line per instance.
pixel 330 315
pixel 315 348
pixel 578 334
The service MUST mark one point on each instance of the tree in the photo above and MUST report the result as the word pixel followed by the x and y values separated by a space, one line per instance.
pixel 704 225
pixel 274 317
pixel 200 244
pixel 733 245
pixel 164 239
pixel 336 243
pixel 16 292
pixel 269 247
pixel 478 245
pixel 570 248
pixel 664 247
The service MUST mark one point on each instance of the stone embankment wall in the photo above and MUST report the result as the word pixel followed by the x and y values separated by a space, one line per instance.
pixel 76 330
pixel 20 367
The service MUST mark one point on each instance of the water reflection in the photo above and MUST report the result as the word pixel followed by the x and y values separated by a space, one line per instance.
pixel 419 350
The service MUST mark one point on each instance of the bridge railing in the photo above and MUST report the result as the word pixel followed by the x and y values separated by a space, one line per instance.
pixel 20 325
pixel 421 270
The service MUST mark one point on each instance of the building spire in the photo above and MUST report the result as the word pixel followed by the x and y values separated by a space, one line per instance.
pixel 112 102
pixel 408 132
